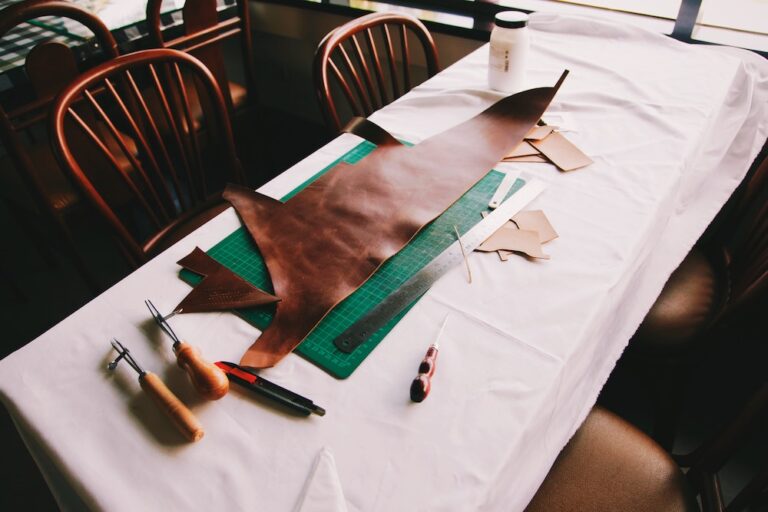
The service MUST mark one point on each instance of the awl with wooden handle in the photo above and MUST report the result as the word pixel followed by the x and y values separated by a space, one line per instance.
pixel 208 379
pixel 180 415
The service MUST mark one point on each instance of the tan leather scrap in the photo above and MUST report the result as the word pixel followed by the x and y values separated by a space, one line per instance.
pixel 326 241
pixel 221 289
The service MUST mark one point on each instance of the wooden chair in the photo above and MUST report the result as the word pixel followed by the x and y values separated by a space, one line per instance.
pixel 611 465
pixel 177 170
pixel 705 463
pixel 719 282
pixel 372 66
pixel 50 65
pixel 203 38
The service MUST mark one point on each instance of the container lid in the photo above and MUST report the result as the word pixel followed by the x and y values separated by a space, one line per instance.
pixel 511 19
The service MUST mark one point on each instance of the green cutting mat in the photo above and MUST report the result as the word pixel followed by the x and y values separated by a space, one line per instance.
pixel 239 253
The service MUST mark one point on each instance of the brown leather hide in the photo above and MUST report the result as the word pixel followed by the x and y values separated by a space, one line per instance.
pixel 221 289
pixel 329 239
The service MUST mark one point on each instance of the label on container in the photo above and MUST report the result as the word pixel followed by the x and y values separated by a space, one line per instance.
pixel 499 59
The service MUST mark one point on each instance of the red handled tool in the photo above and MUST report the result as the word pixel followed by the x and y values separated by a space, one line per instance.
pixel 278 394
pixel 423 382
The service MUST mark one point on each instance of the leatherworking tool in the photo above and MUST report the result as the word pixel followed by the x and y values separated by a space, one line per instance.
pixel 422 384
pixel 463 253
pixel 248 379
pixel 163 397
pixel 420 282
pixel 503 189
pixel 207 378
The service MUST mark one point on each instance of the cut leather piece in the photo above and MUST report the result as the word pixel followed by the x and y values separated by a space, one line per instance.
pixel 370 131
pixel 326 241
pixel 221 289
pixel 534 159
pixel 532 220
pixel 539 132
pixel 536 220
pixel 513 239
pixel 522 149
pixel 561 152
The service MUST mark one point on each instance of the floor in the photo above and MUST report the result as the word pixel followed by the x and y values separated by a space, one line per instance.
pixel 50 289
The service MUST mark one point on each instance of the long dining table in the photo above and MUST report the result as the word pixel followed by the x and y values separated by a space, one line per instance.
pixel 672 130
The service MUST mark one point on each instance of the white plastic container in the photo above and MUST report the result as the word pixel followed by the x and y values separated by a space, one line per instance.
pixel 508 55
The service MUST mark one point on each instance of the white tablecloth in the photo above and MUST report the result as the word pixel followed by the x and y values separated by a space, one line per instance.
pixel 672 129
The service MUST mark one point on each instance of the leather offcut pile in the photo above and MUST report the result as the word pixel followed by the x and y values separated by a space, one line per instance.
pixel 545 144
pixel 525 233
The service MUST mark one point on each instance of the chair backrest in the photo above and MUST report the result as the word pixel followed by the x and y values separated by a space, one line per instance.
pixel 370 58
pixel 203 37
pixel 174 169
pixel 50 66
pixel 746 239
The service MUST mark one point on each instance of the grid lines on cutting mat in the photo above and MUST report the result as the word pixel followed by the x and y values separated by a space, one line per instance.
pixel 239 253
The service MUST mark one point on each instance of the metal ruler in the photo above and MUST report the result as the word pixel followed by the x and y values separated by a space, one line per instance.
pixel 420 282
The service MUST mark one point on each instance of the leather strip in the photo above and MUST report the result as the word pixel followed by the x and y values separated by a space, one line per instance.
pixel 221 289
pixel 370 131
pixel 326 241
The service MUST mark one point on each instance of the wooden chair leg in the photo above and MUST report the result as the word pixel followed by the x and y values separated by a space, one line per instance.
pixel 75 255
pixel 669 390
pixel 754 495
pixel 63 233
pixel 24 217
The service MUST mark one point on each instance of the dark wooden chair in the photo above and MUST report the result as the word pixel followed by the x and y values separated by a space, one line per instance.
pixel 610 465
pixel 706 462
pixel 50 65
pixel 371 60
pixel 177 171
pixel 203 37
pixel 714 289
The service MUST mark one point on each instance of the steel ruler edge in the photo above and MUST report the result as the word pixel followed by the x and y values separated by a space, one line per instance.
pixel 420 282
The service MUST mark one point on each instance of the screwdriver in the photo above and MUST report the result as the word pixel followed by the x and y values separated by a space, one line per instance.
pixel 163 397
pixel 423 382
pixel 208 379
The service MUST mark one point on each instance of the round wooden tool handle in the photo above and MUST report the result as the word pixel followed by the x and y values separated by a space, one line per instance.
pixel 182 417
pixel 209 380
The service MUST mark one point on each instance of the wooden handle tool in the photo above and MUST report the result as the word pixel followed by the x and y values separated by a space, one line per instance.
pixel 422 384
pixel 208 379
pixel 182 418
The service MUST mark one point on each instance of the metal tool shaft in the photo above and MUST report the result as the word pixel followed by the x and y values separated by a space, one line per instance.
pixel 207 378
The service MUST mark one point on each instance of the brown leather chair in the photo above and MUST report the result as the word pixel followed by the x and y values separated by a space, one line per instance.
pixel 371 60
pixel 50 65
pixel 176 172
pixel 203 38
pixel 721 280
pixel 609 465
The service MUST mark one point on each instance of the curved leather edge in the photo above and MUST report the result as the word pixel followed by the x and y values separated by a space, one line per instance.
pixel 319 247
pixel 221 289
pixel 370 131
